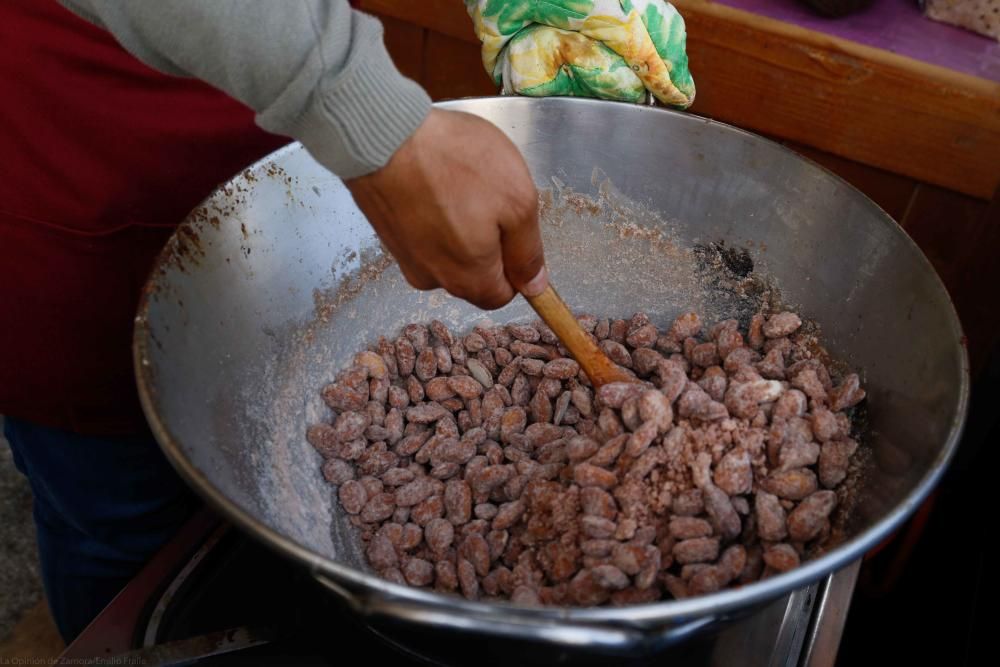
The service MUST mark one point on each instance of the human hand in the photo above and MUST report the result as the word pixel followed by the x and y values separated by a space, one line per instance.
pixel 457 208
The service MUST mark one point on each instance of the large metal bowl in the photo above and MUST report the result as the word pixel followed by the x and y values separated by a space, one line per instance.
pixel 271 285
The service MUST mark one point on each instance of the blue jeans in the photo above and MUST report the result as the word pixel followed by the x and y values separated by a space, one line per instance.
pixel 102 507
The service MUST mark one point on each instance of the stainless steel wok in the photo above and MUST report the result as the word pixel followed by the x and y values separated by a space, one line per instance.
pixel 272 284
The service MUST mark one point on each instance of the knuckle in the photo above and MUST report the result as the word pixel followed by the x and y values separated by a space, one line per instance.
pixel 488 296
pixel 418 280
pixel 496 295
pixel 524 204
pixel 495 301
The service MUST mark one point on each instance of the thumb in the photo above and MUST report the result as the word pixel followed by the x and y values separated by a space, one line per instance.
pixel 523 254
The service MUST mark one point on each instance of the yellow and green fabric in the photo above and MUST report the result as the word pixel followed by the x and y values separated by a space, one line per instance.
pixel 611 49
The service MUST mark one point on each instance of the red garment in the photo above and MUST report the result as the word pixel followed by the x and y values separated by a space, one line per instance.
pixel 101 158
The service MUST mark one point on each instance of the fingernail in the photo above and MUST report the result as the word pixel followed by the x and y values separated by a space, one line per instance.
pixel 536 285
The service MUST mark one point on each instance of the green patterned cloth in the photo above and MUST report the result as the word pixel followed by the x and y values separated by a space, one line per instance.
pixel 612 49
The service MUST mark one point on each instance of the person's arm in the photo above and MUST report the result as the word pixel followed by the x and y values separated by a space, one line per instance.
pixel 310 69
pixel 448 193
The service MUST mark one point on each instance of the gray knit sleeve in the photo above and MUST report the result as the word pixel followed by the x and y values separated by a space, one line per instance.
pixel 315 70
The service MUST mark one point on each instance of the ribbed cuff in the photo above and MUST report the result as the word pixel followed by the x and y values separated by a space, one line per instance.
pixel 362 114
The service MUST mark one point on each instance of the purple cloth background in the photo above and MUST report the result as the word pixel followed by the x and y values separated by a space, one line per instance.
pixel 897 26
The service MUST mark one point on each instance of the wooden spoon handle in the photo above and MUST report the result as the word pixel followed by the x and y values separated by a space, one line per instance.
pixel 551 308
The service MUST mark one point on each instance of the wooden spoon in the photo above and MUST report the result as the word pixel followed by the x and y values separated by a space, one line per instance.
pixel 601 370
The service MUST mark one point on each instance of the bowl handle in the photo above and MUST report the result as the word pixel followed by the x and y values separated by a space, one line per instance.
pixel 605 636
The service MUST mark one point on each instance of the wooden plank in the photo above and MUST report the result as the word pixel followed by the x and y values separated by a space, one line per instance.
pixel 855 101
pixel 405 43
pixel 452 68
pixel 858 102
pixel 960 236
pixel 447 17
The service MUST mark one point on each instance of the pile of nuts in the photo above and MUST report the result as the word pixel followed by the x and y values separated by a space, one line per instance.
pixel 487 465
